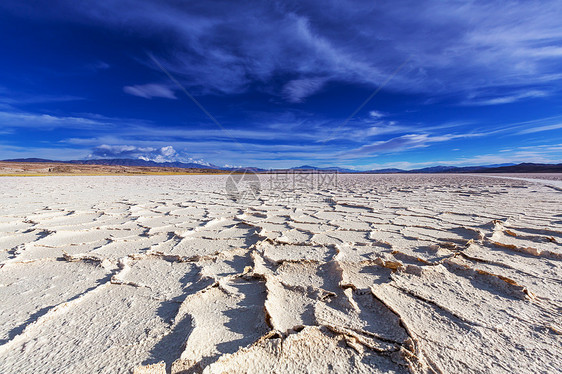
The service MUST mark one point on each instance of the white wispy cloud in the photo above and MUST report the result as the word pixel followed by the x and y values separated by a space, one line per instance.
pixel 297 90
pixel 148 91
pixel 529 127
pixel 540 129
pixel 405 142
pixel 532 94
pixel 451 47
pixel 19 98
pixel 15 119
pixel 273 144
pixel 376 114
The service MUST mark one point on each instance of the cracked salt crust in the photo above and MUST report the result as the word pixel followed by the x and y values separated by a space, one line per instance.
pixel 402 273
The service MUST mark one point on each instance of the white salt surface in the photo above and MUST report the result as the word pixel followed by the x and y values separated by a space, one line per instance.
pixel 403 273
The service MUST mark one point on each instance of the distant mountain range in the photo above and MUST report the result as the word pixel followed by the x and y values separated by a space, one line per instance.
pixel 133 162
pixel 497 168
pixel 326 169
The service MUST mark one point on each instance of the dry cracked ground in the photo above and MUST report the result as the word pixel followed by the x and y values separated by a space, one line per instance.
pixel 155 274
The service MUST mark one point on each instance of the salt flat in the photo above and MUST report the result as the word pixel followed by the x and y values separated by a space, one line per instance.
pixel 376 273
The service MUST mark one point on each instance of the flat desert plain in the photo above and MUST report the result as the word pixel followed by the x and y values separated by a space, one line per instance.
pixel 375 274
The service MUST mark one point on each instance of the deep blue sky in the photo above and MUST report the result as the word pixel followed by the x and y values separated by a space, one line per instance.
pixel 457 83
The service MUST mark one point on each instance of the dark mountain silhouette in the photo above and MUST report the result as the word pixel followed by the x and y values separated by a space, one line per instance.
pixel 525 168
pixel 498 168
